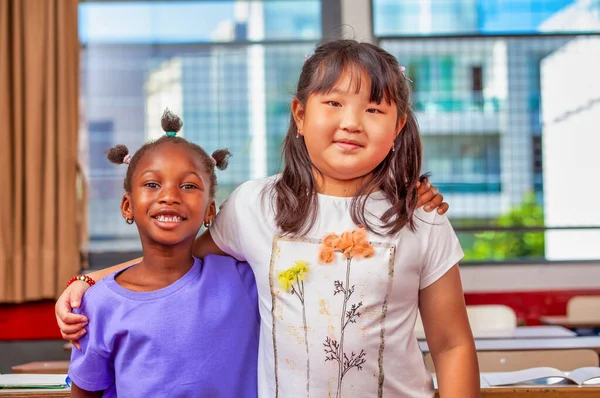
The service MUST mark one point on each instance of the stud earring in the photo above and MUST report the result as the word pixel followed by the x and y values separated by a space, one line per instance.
pixel 207 224
pixel 393 149
pixel 129 220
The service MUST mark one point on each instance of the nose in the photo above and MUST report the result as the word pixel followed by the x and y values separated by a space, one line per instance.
pixel 170 194
pixel 351 120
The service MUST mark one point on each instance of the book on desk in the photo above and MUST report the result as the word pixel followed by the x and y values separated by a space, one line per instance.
pixel 582 376
pixel 24 380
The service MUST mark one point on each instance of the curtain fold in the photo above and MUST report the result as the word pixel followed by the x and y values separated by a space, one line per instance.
pixel 41 219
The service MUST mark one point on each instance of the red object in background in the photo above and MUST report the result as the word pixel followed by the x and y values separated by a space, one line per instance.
pixel 529 306
pixel 28 321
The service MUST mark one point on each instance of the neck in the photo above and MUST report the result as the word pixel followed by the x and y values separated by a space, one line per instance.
pixel 166 263
pixel 343 188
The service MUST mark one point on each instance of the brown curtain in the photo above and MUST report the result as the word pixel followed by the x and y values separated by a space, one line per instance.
pixel 40 202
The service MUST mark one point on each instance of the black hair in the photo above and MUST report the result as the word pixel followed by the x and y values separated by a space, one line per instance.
pixel 171 124
pixel 396 176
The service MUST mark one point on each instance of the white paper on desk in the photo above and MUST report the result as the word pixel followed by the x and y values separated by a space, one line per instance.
pixel 25 380
pixel 585 375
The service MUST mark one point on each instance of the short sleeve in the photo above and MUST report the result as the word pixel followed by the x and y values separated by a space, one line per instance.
pixel 90 370
pixel 442 251
pixel 225 229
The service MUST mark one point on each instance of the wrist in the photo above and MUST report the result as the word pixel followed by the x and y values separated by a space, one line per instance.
pixel 83 278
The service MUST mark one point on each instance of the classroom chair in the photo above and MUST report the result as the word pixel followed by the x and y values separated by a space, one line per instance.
pixel 508 361
pixel 583 309
pixel 486 321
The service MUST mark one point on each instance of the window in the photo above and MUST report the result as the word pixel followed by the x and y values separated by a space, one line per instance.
pixel 489 17
pixel 504 132
pixel 226 67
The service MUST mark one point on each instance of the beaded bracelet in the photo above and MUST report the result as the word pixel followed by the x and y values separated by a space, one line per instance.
pixel 83 278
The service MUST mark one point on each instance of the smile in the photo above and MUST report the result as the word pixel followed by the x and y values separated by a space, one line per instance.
pixel 170 219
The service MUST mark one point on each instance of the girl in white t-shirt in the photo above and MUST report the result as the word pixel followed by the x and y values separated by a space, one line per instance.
pixel 343 260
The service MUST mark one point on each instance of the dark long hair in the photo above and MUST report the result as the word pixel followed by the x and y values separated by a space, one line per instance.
pixel 296 200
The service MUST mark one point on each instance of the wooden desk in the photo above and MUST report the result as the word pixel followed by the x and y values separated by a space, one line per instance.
pixel 48 367
pixel 565 343
pixel 569 324
pixel 533 391
pixel 521 332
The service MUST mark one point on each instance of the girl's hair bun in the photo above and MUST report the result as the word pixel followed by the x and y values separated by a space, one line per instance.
pixel 117 154
pixel 221 157
pixel 170 122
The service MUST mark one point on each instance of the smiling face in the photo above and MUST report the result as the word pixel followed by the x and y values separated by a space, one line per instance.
pixel 346 134
pixel 170 195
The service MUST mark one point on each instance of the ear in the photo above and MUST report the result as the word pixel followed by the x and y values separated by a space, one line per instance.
pixel 400 125
pixel 126 207
pixel 211 212
pixel 298 114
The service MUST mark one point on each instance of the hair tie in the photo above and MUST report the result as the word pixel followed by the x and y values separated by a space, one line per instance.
pixel 171 133
pixel 127 159
pixel 403 70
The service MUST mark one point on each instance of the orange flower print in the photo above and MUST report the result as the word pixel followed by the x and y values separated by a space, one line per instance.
pixel 331 241
pixel 326 255
pixel 352 244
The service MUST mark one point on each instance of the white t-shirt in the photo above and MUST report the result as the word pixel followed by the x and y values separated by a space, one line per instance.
pixel 337 314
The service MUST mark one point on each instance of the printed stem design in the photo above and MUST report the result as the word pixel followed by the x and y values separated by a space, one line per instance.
pixel 351 245
pixel 293 278
pixel 300 294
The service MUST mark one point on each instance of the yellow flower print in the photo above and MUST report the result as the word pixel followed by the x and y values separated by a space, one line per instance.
pixel 293 274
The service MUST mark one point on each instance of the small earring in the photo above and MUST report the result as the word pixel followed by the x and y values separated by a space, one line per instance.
pixel 298 133
pixel 207 224
pixel 393 149
pixel 129 220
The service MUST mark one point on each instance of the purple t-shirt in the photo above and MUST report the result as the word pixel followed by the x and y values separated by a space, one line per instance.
pixel 197 337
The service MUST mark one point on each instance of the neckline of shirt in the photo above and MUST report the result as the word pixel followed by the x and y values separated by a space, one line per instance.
pixel 375 195
pixel 192 273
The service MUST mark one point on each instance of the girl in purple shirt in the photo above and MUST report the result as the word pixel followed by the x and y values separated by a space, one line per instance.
pixel 171 325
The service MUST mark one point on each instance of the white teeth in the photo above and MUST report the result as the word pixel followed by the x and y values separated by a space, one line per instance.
pixel 168 219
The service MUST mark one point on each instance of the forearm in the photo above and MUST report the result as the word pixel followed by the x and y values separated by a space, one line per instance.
pixel 77 392
pixel 204 245
pixel 457 372
pixel 97 275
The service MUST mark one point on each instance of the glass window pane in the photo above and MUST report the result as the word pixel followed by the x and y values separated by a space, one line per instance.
pixel 198 21
pixel 459 17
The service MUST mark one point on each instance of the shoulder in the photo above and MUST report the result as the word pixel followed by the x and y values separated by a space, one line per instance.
pixel 226 264
pixel 428 226
pixel 235 275
pixel 251 197
pixel 253 188
pixel 427 220
pixel 98 298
